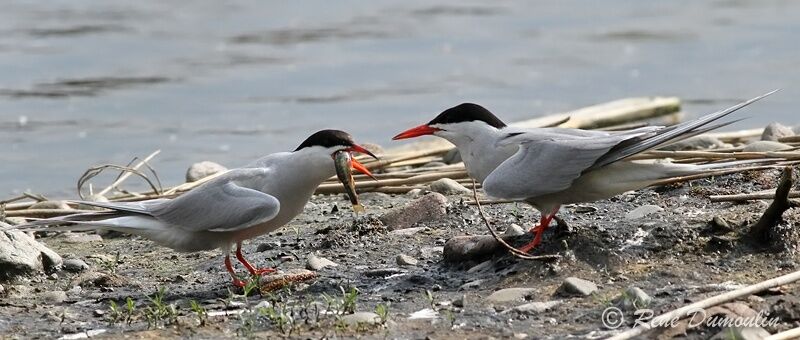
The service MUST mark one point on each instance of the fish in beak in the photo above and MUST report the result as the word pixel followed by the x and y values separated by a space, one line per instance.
pixel 356 164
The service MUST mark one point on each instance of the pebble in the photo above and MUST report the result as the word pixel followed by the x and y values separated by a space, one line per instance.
pixel 415 192
pixel 745 333
pixel 472 284
pixel 469 248
pixel 53 297
pixel 407 231
pixel 534 307
pixel 643 211
pixel 361 318
pixel 461 301
pixel 81 237
pixel 720 225
pixel 262 247
pixel 577 287
pixel 75 265
pixel 633 298
pixel 93 198
pixel 51 205
pixel 448 186
pixel 405 260
pixel 765 146
pixel 695 143
pixel 510 294
pixel 203 169
pixel 383 272
pixel 480 267
pixel 314 262
pixel 20 254
pixel 515 230
pixel 775 131
pixel 2 290
pixel 431 207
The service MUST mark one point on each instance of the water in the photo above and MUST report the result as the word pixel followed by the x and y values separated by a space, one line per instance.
pixel 91 82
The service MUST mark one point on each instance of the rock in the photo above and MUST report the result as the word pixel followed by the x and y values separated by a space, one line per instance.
pixel 534 307
pixel 414 192
pixel 775 131
pixel 719 225
pixel 81 237
pixel 515 230
pixel 361 318
pixel 20 254
pixel 765 146
pixel 577 287
pixel 431 207
pixel 383 272
pixel 469 248
pixel 447 186
pixel 452 156
pixel 407 231
pixel 633 298
pixel 317 262
pixel 61 205
pixel 695 143
pixel 405 260
pixel 510 294
pixel 53 297
pixel 93 198
pixel 75 265
pixel 262 247
pixel 643 211
pixel 461 301
pixel 745 333
pixel 472 284
pixel 485 265
pixel 203 169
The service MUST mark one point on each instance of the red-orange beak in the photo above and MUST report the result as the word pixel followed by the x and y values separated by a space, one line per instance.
pixel 358 166
pixel 421 130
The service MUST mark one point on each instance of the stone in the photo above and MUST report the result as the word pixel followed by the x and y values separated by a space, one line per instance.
pixel 469 248
pixel 447 186
pixel 461 301
pixel 75 265
pixel 407 231
pixel 20 255
pixel 515 230
pixel 93 198
pixel 317 262
pixel 203 169
pixel 695 143
pixel 16 220
pixel 405 260
pixel 511 294
pixel 765 146
pixel 361 318
pixel 61 205
pixel 81 237
pixel 262 247
pixel 383 272
pixel 431 207
pixel 475 284
pixel 775 131
pixel 414 192
pixel 53 297
pixel 741 333
pixel 632 299
pixel 485 265
pixel 452 156
pixel 643 211
pixel 534 307
pixel 577 287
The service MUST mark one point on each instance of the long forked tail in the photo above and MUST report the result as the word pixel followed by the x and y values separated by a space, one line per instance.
pixel 671 134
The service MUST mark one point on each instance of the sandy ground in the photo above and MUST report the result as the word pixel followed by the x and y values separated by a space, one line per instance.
pixel 675 256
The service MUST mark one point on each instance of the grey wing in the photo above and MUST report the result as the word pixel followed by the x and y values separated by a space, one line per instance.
pixel 224 204
pixel 547 165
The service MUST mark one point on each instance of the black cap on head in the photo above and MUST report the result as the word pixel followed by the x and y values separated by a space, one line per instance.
pixel 468 112
pixel 327 139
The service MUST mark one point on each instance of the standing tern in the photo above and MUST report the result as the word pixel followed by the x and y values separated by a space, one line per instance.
pixel 238 205
pixel 548 167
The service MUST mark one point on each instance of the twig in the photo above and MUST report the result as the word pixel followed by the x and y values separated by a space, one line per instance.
pixel 760 231
pixel 127 174
pixel 43 212
pixel 793 333
pixel 514 251
pixel 748 197
pixel 680 313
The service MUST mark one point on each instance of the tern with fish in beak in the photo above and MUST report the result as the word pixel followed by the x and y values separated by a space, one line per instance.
pixel 548 167
pixel 238 205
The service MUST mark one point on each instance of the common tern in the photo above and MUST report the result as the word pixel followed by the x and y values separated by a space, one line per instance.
pixel 549 167
pixel 238 205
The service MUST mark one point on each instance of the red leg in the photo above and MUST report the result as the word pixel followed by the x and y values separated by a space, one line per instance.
pixel 539 230
pixel 236 281
pixel 250 268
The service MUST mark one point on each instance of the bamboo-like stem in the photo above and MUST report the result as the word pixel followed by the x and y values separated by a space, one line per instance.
pixel 680 313
pixel 749 197
pixel 44 213
pixel 793 333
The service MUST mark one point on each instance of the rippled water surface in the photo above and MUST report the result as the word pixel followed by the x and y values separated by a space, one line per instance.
pixel 91 82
